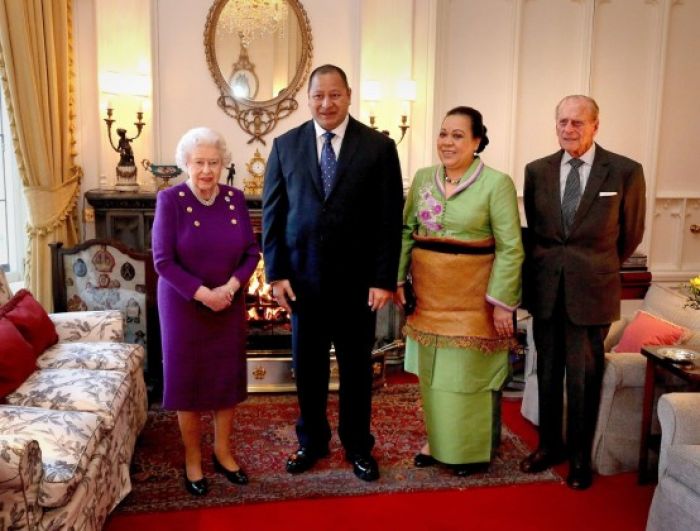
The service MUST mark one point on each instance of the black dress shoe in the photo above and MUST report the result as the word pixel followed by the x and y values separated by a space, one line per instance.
pixel 541 460
pixel 422 460
pixel 468 469
pixel 580 477
pixel 239 477
pixel 364 466
pixel 303 459
pixel 196 488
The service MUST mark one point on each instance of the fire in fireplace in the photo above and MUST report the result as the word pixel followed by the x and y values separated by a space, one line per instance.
pixel 269 327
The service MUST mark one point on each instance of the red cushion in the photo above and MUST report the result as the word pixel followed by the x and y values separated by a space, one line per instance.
pixel 17 360
pixel 648 329
pixel 31 320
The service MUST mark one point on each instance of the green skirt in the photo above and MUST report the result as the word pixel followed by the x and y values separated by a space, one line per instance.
pixel 460 389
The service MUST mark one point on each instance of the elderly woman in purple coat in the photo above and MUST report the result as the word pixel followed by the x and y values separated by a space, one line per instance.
pixel 204 252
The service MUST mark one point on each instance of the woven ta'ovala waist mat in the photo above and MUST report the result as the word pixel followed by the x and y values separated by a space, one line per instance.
pixel 450 278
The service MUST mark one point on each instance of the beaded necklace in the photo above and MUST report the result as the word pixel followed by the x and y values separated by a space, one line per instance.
pixel 205 202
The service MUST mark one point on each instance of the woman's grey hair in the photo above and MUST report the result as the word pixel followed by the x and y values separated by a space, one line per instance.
pixel 200 136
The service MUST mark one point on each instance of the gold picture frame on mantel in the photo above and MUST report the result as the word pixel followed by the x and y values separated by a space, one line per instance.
pixel 258 61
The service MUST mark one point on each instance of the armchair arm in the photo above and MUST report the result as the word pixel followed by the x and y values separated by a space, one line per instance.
pixel 105 325
pixel 624 369
pixel 20 475
pixel 679 416
pixel 616 438
pixel 615 333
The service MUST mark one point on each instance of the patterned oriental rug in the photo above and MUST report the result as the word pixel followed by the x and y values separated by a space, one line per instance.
pixel 264 436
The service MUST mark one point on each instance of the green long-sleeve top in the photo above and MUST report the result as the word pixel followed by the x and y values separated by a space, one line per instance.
pixel 485 205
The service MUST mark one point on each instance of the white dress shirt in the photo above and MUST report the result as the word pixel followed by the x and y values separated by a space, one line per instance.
pixel 336 141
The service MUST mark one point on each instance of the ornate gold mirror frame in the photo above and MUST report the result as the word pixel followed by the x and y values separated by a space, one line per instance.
pixel 258 118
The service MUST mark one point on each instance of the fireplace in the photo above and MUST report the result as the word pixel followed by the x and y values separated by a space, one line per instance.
pixel 269 339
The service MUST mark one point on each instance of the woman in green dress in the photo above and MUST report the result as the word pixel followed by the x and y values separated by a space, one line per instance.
pixel 463 250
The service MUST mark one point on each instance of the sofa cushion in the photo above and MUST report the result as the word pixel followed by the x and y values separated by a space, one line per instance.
pixel 98 325
pixel 68 440
pixel 669 304
pixel 95 391
pixel 683 464
pixel 102 355
pixel 17 359
pixel 648 329
pixel 31 320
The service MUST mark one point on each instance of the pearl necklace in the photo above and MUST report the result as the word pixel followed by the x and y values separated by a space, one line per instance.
pixel 205 202
pixel 452 181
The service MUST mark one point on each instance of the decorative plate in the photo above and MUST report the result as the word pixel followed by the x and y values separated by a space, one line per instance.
pixel 678 355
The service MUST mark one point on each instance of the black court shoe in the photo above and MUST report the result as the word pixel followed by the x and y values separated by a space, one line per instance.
pixel 422 460
pixel 239 477
pixel 196 488
pixel 468 469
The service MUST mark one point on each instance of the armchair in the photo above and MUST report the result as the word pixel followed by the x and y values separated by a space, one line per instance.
pixel 676 502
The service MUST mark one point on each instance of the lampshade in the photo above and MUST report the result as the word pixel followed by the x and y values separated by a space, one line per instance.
pixel 120 83
pixel 371 90
pixel 406 90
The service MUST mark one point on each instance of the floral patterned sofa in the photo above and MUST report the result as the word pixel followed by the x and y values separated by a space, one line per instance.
pixel 67 434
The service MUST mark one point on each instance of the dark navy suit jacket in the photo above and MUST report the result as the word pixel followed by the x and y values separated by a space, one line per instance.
pixel 349 241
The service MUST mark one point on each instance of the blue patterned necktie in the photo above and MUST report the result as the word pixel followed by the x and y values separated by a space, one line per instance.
pixel 572 195
pixel 328 163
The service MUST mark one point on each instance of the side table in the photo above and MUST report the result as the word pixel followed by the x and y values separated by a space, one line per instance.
pixel 689 372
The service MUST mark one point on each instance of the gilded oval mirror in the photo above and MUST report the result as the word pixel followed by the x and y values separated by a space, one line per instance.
pixel 259 54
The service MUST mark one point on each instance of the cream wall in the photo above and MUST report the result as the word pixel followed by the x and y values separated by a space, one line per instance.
pixel 512 59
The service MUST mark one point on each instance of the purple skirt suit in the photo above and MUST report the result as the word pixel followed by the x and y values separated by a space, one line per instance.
pixel 204 359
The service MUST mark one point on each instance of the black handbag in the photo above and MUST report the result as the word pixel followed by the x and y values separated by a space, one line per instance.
pixel 410 296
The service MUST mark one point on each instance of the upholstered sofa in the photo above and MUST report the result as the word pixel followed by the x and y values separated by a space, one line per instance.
pixel 676 502
pixel 617 436
pixel 67 433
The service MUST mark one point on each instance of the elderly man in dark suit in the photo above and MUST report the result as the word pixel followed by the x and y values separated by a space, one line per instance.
pixel 585 214
pixel 332 204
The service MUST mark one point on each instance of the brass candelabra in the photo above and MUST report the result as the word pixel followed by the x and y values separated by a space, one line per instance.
pixel 126 168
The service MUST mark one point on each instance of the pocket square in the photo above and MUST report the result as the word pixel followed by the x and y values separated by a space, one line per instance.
pixel 607 194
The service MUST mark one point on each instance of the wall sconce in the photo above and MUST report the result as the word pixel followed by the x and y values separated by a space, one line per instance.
pixel 405 92
pixel 114 83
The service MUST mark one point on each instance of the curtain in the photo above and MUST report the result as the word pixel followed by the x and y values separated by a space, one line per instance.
pixel 36 66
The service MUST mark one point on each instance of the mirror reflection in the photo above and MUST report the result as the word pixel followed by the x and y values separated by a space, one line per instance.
pixel 259 48
pixel 259 54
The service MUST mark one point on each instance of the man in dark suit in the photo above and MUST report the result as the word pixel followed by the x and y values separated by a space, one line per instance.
pixel 332 204
pixel 585 214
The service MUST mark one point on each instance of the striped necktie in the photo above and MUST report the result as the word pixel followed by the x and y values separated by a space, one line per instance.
pixel 572 195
